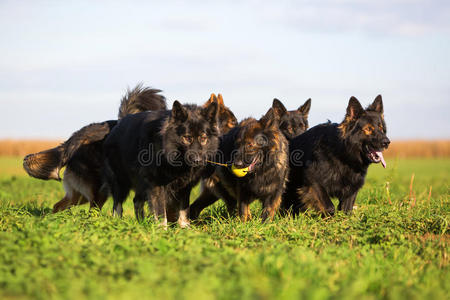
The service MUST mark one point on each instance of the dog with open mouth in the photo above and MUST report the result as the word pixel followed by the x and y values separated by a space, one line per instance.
pixel 331 160
pixel 257 151
pixel 291 124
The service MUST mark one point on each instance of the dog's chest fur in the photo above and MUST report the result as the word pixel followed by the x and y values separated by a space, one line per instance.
pixel 328 161
pixel 269 177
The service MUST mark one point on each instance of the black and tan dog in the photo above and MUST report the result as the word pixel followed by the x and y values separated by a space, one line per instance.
pixel 331 160
pixel 161 155
pixel 291 124
pixel 82 154
pixel 295 122
pixel 260 147
pixel 227 120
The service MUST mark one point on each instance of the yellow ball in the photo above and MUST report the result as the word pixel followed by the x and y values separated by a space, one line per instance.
pixel 239 172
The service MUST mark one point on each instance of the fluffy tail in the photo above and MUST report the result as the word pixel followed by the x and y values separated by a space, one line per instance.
pixel 47 164
pixel 141 99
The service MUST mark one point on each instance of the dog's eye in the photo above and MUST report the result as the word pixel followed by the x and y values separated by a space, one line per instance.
pixel 203 140
pixel 368 129
pixel 187 139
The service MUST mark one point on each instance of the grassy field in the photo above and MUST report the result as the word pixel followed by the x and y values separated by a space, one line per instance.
pixel 394 246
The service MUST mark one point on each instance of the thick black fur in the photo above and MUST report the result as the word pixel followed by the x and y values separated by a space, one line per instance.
pixel 161 155
pixel 141 99
pixel 227 121
pixel 253 142
pixel 82 154
pixel 331 160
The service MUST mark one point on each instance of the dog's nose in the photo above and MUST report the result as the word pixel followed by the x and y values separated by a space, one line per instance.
pixel 385 142
pixel 197 159
pixel 194 158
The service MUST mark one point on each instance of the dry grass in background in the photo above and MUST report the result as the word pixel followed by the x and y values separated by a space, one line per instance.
pixel 419 148
pixel 23 147
pixel 401 149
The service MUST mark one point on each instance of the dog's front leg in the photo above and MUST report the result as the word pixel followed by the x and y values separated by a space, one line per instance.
pixel 205 199
pixel 270 206
pixel 177 205
pixel 346 203
pixel 315 197
pixel 144 192
pixel 139 201
pixel 183 214
pixel 243 205
pixel 157 200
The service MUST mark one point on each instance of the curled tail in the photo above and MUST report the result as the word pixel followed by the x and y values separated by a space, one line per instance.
pixel 141 99
pixel 47 164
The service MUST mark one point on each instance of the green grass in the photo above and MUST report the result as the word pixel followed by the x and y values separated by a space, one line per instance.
pixel 390 251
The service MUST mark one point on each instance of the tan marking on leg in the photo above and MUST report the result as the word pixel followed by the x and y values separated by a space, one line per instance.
pixel 69 200
pixel 244 211
pixel 271 209
pixel 310 199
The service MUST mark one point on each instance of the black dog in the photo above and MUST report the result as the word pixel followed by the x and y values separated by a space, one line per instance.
pixel 227 121
pixel 260 146
pixel 161 155
pixel 295 122
pixel 331 160
pixel 82 154
pixel 291 124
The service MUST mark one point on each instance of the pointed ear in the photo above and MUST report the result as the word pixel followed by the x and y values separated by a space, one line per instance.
pixel 278 108
pixel 377 105
pixel 211 111
pixel 179 113
pixel 211 99
pixel 304 109
pixel 354 109
pixel 270 119
pixel 220 100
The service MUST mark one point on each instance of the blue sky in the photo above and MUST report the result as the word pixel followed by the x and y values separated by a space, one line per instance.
pixel 66 64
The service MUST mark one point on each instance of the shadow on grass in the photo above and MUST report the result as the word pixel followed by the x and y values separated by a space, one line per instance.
pixel 32 209
pixel 37 211
pixel 212 214
pixel 219 212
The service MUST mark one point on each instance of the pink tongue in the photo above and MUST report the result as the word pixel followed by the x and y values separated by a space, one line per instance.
pixel 252 165
pixel 380 155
